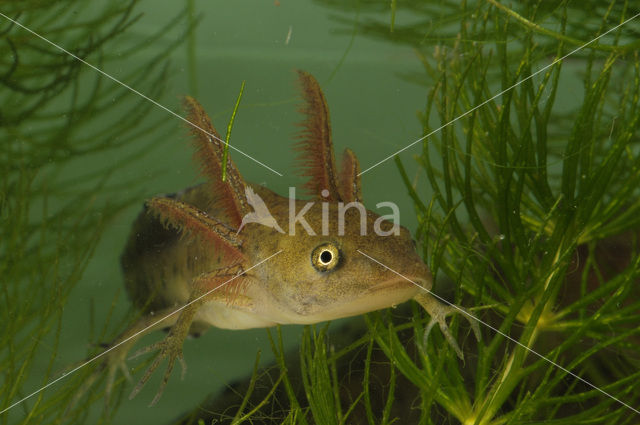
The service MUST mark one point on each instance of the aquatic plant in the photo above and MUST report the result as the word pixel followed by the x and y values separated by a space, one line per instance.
pixel 57 113
pixel 530 192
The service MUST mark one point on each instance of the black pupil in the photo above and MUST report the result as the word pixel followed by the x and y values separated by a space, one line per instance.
pixel 325 257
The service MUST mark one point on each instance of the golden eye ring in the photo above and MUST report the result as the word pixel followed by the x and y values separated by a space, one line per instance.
pixel 325 257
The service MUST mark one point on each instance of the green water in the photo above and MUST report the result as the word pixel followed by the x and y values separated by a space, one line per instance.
pixel 375 84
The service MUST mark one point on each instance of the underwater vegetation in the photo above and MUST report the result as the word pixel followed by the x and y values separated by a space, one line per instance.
pixel 535 216
pixel 56 112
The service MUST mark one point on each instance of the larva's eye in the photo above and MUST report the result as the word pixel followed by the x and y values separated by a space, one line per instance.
pixel 325 257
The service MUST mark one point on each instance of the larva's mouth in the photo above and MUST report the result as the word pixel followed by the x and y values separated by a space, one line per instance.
pixel 392 292
pixel 399 283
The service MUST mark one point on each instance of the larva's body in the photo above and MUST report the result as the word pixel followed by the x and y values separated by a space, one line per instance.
pixel 236 268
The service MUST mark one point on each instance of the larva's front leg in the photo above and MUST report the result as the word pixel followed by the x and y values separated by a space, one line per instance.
pixel 113 359
pixel 439 313
pixel 206 288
